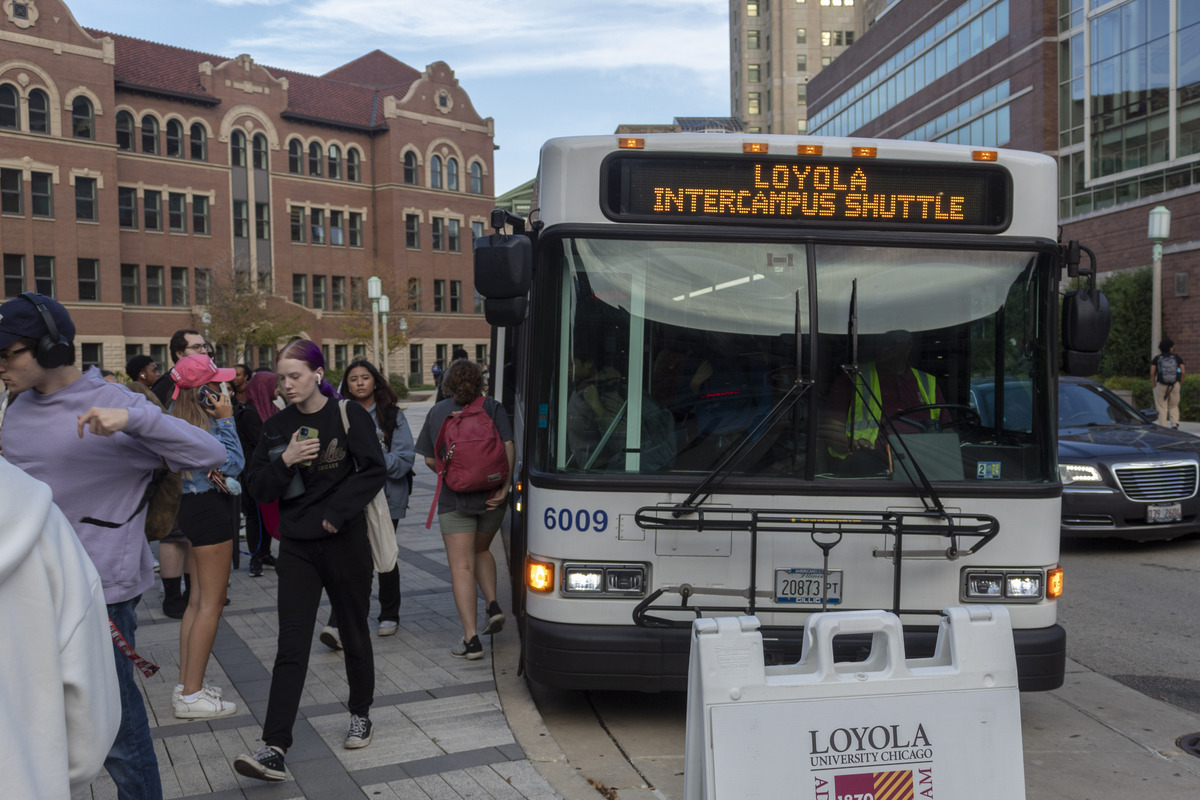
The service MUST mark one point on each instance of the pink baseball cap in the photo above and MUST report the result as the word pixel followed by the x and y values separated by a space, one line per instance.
pixel 196 370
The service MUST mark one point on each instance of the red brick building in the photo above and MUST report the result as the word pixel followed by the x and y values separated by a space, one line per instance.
pixel 140 183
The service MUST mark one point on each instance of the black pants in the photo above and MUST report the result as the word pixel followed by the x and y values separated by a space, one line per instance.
pixel 341 565
pixel 258 541
pixel 389 595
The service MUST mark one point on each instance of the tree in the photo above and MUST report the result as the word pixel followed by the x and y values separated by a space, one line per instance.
pixel 244 313
pixel 356 323
pixel 1128 347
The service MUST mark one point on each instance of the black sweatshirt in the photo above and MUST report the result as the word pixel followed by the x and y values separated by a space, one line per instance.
pixel 333 490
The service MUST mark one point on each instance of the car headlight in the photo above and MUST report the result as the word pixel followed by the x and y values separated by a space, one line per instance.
pixel 1078 473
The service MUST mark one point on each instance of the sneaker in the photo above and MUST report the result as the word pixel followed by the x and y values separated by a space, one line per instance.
pixel 388 627
pixel 329 638
pixel 359 733
pixel 472 650
pixel 268 560
pixel 265 765
pixel 256 568
pixel 178 691
pixel 207 705
pixel 495 620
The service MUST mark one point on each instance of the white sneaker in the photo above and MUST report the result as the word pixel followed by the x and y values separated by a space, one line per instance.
pixel 388 627
pixel 206 706
pixel 177 692
pixel 330 638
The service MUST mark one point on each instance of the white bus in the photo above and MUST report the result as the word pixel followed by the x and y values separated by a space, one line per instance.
pixel 773 374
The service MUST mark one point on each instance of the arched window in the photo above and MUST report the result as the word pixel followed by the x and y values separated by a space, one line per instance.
pixel 353 165
pixel 237 149
pixel 261 153
pixel 295 157
pixel 435 172
pixel 476 178
pixel 452 174
pixel 199 142
pixel 125 131
pixel 83 118
pixel 149 135
pixel 39 112
pixel 8 107
pixel 335 162
pixel 314 159
pixel 174 138
pixel 410 168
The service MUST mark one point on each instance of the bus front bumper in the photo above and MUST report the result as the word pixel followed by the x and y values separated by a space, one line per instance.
pixel 628 658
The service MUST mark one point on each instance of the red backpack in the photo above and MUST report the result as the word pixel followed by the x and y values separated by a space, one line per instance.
pixel 469 456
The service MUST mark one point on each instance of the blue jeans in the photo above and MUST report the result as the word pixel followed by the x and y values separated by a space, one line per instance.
pixel 131 762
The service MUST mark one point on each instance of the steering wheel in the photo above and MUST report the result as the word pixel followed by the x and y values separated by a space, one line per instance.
pixel 964 415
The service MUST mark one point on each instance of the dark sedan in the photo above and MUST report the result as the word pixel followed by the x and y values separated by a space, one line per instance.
pixel 1123 476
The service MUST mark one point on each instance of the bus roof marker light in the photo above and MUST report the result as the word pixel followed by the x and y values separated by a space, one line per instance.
pixel 985 155
pixel 864 152
pixel 809 149
pixel 631 143
pixel 755 147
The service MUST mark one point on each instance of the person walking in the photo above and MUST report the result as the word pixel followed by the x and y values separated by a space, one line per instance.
pixel 323 544
pixel 63 430
pixel 1166 373
pixel 262 519
pixel 364 384
pixel 469 521
pixel 205 519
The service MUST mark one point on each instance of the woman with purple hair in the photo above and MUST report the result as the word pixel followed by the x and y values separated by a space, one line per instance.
pixel 262 519
pixel 323 543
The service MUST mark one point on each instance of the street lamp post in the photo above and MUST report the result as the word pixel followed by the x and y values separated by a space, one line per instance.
pixel 404 336
pixel 384 308
pixel 1160 230
pixel 374 291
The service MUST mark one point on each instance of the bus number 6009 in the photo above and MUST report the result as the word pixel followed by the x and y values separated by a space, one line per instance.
pixel 582 520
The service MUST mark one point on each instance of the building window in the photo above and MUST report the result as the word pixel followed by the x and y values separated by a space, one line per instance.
pixel 476 230
pixel 452 174
pixel 801 62
pixel 353 166
pixel 314 159
pixel 435 172
pixel 412 231
pixel 410 168
pixel 41 194
pixel 90 354
pixel 438 239
pixel 479 303
pixel 10 191
pixel 262 221
pixel 358 294
pixel 837 38
pixel 356 232
pixel 174 138
pixel 177 212
pixel 152 209
pixel 203 286
pixel 801 93
pixel 414 294
pixel 837 2
pixel 753 73
pixel 241 219
pixel 200 214
pixel 149 135
pixel 476 178
pixel 801 36
pixel 337 230
pixel 801 126
pixel 340 355
pixel 452 236
pixel 337 297
pixel 125 131
pixel 754 103
pixel 439 296
pixel 131 289
pixel 826 61
pixel 753 40
pixel 300 290
pixel 260 152
pixel 179 286
pixel 751 8
pixel 319 292
pixel 237 149
pixel 297 224
pixel 9 118
pixel 199 138
pixel 83 118
pixel 295 157
pixel 317 221
pixel 156 293
pixel 85 199
pixel 455 297
pixel 43 275
pixel 39 112
pixel 335 162
pixel 415 367
pixel 14 274
pixel 127 206
pixel 87 272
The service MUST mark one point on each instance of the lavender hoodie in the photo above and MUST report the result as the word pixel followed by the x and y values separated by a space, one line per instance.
pixel 104 477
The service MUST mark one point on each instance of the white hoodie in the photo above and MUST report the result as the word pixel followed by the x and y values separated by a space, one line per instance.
pixel 60 705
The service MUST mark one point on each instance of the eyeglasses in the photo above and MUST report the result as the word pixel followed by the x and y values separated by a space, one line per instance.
pixel 8 355
pixel 196 348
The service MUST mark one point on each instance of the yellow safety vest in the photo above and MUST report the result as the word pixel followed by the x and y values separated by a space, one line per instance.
pixel 862 419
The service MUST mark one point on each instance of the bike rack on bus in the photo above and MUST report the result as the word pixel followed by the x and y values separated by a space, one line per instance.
pixel 825 528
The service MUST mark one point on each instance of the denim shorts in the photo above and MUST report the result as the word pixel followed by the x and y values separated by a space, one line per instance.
pixel 462 522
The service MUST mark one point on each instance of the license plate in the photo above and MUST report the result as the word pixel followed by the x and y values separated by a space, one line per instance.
pixel 803 586
pixel 1164 512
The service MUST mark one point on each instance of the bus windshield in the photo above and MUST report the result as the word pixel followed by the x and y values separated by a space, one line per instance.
pixel 660 358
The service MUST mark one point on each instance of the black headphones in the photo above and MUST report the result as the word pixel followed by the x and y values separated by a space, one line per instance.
pixel 53 350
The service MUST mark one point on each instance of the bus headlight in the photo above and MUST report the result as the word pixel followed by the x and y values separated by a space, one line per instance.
pixel 604 580
pixel 1004 585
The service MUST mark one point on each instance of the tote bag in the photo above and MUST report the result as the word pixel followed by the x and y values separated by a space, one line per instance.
pixel 382 534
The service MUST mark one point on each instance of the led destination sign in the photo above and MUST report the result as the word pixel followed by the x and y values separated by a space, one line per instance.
pixel 842 192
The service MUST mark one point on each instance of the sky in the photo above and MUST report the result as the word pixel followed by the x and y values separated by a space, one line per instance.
pixel 539 68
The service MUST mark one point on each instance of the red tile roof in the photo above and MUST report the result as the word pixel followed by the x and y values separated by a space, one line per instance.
pixel 347 95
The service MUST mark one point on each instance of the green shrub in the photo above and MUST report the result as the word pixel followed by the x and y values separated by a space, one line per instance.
pixel 1127 351
pixel 1189 396
pixel 398 385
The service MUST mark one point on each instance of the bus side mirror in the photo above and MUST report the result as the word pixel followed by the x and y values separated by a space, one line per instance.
pixel 503 274
pixel 1086 320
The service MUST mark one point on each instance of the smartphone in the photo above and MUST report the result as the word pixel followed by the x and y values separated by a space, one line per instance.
pixel 305 434
pixel 207 398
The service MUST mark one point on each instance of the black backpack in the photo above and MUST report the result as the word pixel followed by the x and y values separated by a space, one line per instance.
pixel 1168 368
